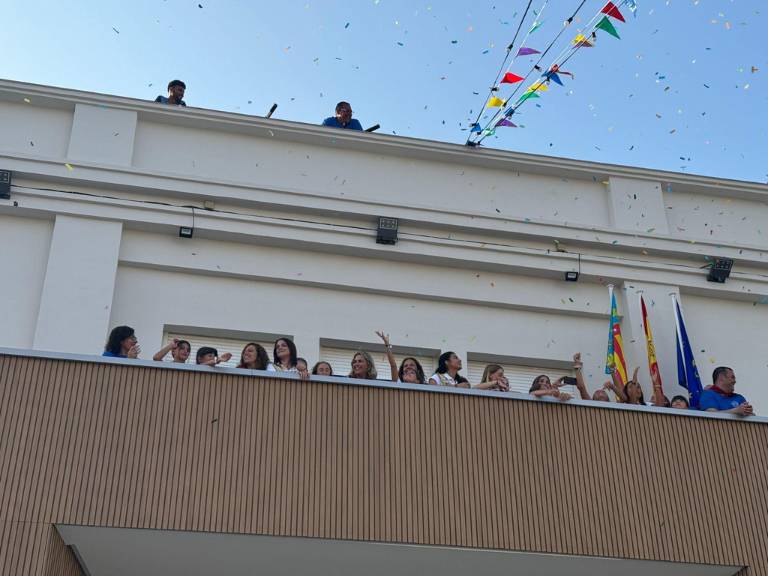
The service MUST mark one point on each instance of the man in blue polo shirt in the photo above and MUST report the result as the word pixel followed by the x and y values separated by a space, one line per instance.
pixel 343 118
pixel 721 397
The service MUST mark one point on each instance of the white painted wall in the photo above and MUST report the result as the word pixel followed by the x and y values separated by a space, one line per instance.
pixel 24 245
pixel 79 282
pixel 290 250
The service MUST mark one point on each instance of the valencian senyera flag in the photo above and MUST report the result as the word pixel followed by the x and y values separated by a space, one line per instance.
pixel 615 356
pixel 653 364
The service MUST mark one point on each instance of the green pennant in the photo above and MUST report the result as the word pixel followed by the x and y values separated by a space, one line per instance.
pixel 606 25
pixel 527 95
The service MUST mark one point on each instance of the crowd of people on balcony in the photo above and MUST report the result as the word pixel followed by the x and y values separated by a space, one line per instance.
pixel 719 397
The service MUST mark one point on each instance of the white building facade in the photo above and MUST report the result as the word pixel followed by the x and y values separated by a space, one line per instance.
pixel 284 244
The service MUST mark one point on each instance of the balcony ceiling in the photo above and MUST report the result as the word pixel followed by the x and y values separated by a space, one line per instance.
pixel 124 551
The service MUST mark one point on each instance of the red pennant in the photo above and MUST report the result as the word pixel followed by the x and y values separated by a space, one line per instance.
pixel 510 78
pixel 612 11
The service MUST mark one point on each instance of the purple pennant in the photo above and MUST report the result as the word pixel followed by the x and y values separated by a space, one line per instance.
pixel 505 122
pixel 527 51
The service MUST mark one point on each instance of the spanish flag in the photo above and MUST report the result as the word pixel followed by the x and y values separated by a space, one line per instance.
pixel 615 356
pixel 653 364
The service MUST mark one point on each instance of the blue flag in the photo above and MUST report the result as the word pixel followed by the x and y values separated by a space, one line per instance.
pixel 687 373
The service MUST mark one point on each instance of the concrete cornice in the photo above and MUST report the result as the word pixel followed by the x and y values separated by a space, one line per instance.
pixel 62 98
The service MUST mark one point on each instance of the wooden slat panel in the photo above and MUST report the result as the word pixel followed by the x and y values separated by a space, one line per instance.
pixel 115 445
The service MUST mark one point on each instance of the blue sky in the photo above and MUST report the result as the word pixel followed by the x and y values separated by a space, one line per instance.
pixel 683 90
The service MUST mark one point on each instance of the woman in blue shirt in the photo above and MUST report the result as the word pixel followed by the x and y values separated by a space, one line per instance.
pixel 122 343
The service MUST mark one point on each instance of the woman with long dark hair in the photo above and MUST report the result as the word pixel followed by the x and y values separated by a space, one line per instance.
pixel 253 357
pixel 410 371
pixel 122 343
pixel 285 357
pixel 447 373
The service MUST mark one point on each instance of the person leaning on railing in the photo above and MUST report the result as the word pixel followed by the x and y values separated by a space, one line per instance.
pixel 410 371
pixel 122 343
pixel 720 397
pixel 285 359
pixel 543 386
pixel 179 350
pixel 447 373
pixel 209 356
pixel 253 357
pixel 493 379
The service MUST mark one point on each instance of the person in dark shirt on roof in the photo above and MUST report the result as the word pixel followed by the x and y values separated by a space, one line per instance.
pixel 343 118
pixel 721 397
pixel 176 89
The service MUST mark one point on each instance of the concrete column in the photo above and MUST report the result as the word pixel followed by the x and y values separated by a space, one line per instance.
pixel 79 283
pixel 637 205
pixel 661 318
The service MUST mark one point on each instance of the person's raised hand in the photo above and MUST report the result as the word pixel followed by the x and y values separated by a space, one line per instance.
pixel 384 337
pixel 226 357
pixel 134 351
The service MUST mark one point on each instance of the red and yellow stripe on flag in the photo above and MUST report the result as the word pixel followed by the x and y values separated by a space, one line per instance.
pixel 653 364
pixel 615 356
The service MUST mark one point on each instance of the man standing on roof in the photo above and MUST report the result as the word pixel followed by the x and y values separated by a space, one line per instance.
pixel 176 90
pixel 343 118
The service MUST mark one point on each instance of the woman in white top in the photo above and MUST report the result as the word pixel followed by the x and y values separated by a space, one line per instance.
pixel 410 371
pixel 285 358
pixel 447 373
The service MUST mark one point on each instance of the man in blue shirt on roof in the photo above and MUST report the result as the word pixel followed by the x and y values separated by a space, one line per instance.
pixel 176 89
pixel 343 118
pixel 721 397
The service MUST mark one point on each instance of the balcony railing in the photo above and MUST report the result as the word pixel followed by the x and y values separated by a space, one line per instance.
pixel 133 444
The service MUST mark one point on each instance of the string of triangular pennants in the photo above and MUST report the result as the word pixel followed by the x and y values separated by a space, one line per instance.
pixel 602 21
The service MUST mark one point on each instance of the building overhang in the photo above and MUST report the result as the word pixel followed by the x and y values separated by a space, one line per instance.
pixel 116 551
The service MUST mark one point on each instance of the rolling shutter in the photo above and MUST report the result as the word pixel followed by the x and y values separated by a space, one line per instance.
pixel 341 358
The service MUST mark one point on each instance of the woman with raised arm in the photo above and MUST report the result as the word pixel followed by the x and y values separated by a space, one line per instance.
pixel 447 373
pixel 122 343
pixel 629 393
pixel 543 386
pixel 254 357
pixel 410 371
pixel 493 379
pixel 363 366
pixel 580 384
pixel 179 350
pixel 285 358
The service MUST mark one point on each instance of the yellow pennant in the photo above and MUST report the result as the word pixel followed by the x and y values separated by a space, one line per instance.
pixel 494 102
pixel 537 87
